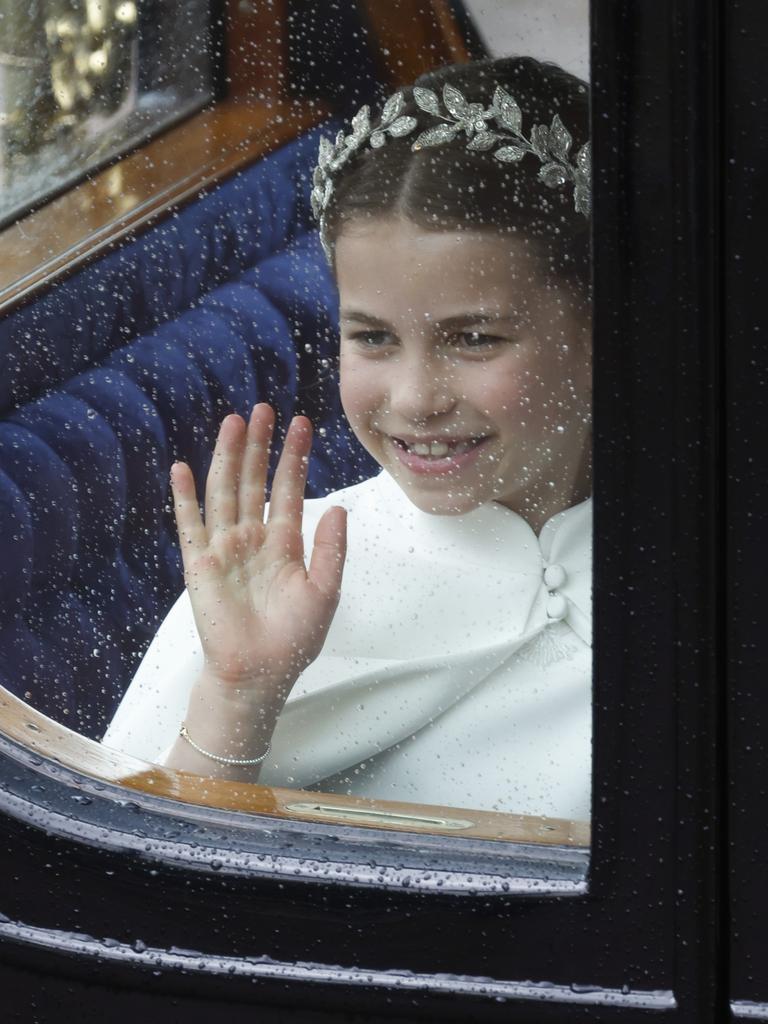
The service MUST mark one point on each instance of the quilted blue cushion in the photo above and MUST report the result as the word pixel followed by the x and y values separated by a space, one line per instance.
pixel 118 371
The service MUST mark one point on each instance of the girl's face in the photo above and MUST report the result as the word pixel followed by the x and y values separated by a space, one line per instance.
pixel 463 373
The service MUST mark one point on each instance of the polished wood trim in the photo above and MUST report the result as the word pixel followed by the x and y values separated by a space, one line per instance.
pixel 453 40
pixel 257 49
pixel 21 723
pixel 125 197
pixel 414 36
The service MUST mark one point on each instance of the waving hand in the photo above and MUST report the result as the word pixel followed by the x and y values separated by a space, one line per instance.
pixel 262 615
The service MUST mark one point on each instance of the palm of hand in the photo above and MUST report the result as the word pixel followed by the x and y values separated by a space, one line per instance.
pixel 261 614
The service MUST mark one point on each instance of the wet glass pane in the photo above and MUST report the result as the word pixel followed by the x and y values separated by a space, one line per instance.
pixel 418 629
pixel 84 80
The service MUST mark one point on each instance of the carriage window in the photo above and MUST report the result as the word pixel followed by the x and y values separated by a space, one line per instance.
pixel 363 361
pixel 82 81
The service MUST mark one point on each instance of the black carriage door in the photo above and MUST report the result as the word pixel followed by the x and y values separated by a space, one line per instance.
pixel 745 223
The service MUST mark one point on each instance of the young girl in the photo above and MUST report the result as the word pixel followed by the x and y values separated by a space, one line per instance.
pixel 434 644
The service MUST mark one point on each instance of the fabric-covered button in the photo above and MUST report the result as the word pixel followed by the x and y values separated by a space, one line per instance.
pixel 554 576
pixel 557 606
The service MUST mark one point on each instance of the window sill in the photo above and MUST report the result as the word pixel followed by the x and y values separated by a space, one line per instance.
pixel 543 855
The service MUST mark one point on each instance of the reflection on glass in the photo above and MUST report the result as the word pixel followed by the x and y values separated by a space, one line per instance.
pixel 419 629
pixel 82 80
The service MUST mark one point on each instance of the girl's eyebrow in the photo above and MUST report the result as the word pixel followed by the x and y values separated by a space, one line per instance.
pixel 450 322
pixel 362 318
pixel 463 319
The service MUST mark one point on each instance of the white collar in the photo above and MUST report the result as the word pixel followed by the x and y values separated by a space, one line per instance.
pixel 409 564
pixel 475 529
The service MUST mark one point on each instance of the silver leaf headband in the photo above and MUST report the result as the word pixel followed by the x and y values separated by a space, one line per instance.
pixel 496 128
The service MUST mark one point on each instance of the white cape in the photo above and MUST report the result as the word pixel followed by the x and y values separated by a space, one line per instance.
pixel 443 678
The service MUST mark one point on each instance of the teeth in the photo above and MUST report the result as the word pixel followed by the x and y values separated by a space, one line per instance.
pixel 439 449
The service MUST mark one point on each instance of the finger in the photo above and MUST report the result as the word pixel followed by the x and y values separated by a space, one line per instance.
pixel 330 549
pixel 193 535
pixel 287 498
pixel 253 477
pixel 221 486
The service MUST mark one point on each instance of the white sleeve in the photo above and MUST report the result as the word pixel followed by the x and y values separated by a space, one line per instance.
pixel 147 721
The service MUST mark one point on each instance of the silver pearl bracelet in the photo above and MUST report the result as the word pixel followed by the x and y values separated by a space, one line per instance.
pixel 217 757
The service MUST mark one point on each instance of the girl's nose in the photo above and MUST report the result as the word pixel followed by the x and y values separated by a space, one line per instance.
pixel 420 390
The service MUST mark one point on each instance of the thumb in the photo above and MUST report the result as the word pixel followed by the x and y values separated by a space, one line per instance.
pixel 330 549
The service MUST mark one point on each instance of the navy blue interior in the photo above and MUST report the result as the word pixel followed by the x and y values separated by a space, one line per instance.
pixel 119 370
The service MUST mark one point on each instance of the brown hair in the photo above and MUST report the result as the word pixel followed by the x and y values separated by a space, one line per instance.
pixel 448 187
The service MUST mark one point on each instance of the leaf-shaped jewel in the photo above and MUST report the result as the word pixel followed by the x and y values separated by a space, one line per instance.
pixel 377 139
pixel 318 176
pixel 435 136
pixel 454 101
pixel 402 126
pixel 507 112
pixel 340 139
pixel 582 200
pixel 361 122
pixel 341 158
pixel 392 108
pixel 482 141
pixel 559 138
pixel 325 153
pixel 553 175
pixel 540 140
pixel 584 160
pixel 316 199
pixel 327 192
pixel 509 154
pixel 426 99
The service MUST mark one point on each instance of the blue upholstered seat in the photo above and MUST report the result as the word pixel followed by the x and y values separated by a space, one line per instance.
pixel 117 371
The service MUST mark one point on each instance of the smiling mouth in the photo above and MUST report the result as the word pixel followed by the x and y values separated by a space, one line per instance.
pixel 439 449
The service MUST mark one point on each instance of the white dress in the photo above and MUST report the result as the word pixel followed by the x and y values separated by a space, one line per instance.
pixel 457 670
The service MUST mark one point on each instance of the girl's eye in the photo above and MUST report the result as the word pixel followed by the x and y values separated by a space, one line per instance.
pixel 475 340
pixel 370 339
